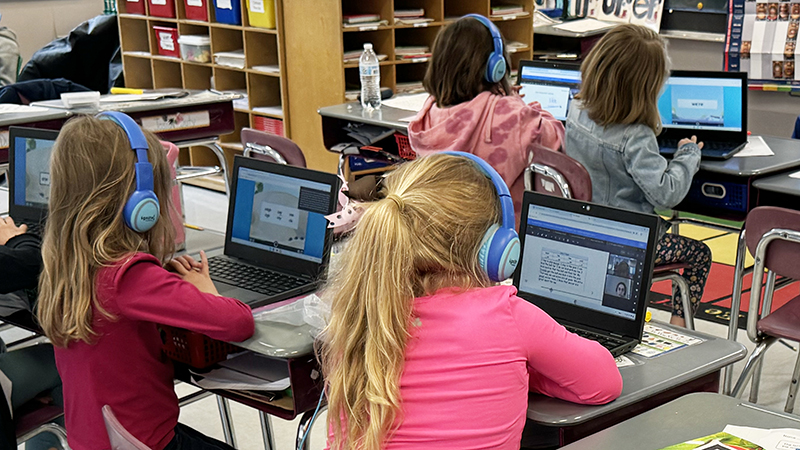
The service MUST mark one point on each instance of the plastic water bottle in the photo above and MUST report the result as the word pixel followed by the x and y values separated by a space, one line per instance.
pixel 370 72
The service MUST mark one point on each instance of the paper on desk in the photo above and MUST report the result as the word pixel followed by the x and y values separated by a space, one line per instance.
pixel 407 102
pixel 123 98
pixel 769 439
pixel 657 340
pixel 247 371
pixel 583 25
pixel 10 108
pixel 755 147
pixel 795 175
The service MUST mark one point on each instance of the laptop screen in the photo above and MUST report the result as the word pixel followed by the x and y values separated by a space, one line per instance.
pixel 281 214
pixel 31 172
pixel 554 88
pixel 590 262
pixel 702 103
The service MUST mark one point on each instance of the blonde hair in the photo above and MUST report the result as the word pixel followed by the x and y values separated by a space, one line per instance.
pixel 92 173
pixel 623 75
pixel 424 236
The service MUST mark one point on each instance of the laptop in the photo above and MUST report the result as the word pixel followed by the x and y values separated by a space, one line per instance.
pixel 588 266
pixel 709 105
pixel 277 242
pixel 29 175
pixel 552 84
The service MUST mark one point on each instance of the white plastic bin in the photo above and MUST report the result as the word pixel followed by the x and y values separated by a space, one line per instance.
pixel 195 47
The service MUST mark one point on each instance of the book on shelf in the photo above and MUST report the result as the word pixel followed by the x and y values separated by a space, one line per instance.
pixel 230 59
pixel 414 56
pixel 360 18
pixel 412 21
pixel 411 49
pixel 353 56
pixel 375 24
pixel 409 87
pixel 409 12
pixel 505 10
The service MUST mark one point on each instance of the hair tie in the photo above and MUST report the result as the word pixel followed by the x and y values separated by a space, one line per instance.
pixel 401 205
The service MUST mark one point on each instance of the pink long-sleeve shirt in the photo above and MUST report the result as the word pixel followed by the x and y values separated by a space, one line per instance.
pixel 124 367
pixel 501 129
pixel 473 357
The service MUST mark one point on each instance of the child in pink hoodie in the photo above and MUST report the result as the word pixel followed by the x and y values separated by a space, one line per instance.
pixel 467 111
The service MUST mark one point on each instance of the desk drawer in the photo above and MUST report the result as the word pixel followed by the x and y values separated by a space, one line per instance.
pixel 718 195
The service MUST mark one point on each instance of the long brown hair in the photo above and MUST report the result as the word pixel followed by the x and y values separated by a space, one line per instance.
pixel 623 75
pixel 456 70
pixel 92 173
pixel 424 236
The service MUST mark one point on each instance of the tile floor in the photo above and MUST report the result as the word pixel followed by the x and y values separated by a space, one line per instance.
pixel 208 209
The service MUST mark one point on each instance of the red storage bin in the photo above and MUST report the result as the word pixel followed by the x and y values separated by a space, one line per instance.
pixel 134 7
pixel 268 124
pixel 167 39
pixel 196 10
pixel 404 147
pixel 162 8
pixel 192 348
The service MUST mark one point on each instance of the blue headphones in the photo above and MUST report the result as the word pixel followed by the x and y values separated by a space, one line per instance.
pixel 141 211
pixel 496 64
pixel 499 252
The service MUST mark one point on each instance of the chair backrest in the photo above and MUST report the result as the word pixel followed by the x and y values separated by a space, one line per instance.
pixel 119 437
pixel 262 145
pixel 781 256
pixel 555 173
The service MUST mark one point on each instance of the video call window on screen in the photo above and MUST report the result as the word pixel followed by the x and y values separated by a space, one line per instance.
pixel 554 89
pixel 701 103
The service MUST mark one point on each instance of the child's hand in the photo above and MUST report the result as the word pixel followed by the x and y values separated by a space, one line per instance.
pixel 8 229
pixel 515 91
pixel 195 272
pixel 685 141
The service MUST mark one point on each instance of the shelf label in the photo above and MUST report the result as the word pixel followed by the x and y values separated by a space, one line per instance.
pixel 372 28
pixel 158 2
pixel 177 121
pixel 194 3
pixel 165 41
pixel 419 60
pixel 511 17
pixel 4 139
pixel 224 4
pixel 257 6
pixel 421 25
pixel 132 1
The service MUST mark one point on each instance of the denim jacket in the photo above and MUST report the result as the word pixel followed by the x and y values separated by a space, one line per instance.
pixel 626 168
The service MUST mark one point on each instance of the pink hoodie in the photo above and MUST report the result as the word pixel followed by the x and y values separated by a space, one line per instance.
pixel 503 130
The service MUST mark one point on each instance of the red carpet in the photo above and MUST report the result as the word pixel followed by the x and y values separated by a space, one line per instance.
pixel 716 302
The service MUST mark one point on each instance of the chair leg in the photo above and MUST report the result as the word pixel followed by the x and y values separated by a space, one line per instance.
pixel 789 408
pixel 227 421
pixel 52 428
pixel 736 301
pixel 755 384
pixel 688 311
pixel 749 367
pixel 266 430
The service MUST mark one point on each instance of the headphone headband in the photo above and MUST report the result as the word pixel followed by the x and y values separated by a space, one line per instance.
pixel 507 218
pixel 496 64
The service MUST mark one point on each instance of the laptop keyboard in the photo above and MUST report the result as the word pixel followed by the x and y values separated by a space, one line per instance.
pixel 35 228
pixel 707 145
pixel 608 342
pixel 252 278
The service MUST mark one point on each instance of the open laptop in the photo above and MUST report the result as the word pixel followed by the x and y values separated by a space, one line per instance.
pixel 277 241
pixel 587 266
pixel 552 84
pixel 29 175
pixel 709 105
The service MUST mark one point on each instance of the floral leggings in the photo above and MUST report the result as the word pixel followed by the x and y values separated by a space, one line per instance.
pixel 673 248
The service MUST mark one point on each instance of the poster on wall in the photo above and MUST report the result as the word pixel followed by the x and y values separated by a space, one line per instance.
pixel 762 40
pixel 640 12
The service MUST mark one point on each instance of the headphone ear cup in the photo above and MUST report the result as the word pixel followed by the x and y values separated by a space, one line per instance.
pixel 141 211
pixel 496 68
pixel 499 252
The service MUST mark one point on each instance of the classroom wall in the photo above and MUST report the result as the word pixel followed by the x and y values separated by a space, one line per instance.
pixel 37 22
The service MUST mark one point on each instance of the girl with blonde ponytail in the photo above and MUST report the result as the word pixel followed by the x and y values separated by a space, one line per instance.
pixel 422 350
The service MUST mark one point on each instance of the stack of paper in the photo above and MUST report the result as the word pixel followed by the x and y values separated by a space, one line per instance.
pixel 410 16
pixel 412 51
pixel 352 56
pixel 247 371
pixel 506 10
pixel 409 87
pixel 230 59
pixel 360 18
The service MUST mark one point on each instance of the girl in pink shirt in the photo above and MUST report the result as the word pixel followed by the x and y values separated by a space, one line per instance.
pixel 104 286
pixel 473 109
pixel 422 351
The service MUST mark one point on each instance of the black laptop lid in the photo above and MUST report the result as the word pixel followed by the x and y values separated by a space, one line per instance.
pixel 710 105
pixel 586 264
pixel 552 84
pixel 29 153
pixel 276 216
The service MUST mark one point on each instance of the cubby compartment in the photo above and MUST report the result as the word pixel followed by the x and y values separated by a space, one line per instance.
pixel 227 12
pixel 166 74
pixel 527 9
pixel 453 9
pixel 161 8
pixel 134 34
pixel 226 40
pixel 193 28
pixel 137 72
pixel 132 7
pixel 197 77
pixel 432 9
pixel 352 79
pixel 409 78
pixel 260 14
pixel 195 10
pixel 382 43
pixel 229 80
pixel 350 8
pixel 232 140
pixel 265 95
pixel 261 52
pixel 414 44
pixel 517 34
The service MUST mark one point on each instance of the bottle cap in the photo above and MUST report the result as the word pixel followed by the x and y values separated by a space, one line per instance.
pixel 367 46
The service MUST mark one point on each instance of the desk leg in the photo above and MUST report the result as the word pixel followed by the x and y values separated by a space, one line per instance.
pixel 736 301
pixel 227 422
pixel 266 430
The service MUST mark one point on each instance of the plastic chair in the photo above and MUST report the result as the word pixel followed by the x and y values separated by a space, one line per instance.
pixel 773 237
pixel 35 418
pixel 119 437
pixel 262 145
pixel 555 173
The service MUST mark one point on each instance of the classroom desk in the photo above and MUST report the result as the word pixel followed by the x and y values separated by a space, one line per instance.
pixel 335 118
pixel 778 190
pixel 689 417
pixel 50 119
pixel 649 383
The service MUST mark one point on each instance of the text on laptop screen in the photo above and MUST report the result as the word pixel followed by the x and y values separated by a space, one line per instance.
pixel 554 89
pixel 281 214
pixel 32 158
pixel 701 103
pixel 587 261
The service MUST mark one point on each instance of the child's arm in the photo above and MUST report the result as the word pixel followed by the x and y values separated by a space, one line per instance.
pixel 561 364
pixel 146 291
pixel 540 127
pixel 20 257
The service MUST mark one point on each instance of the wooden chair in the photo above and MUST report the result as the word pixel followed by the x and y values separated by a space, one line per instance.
pixel 555 173
pixel 773 237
